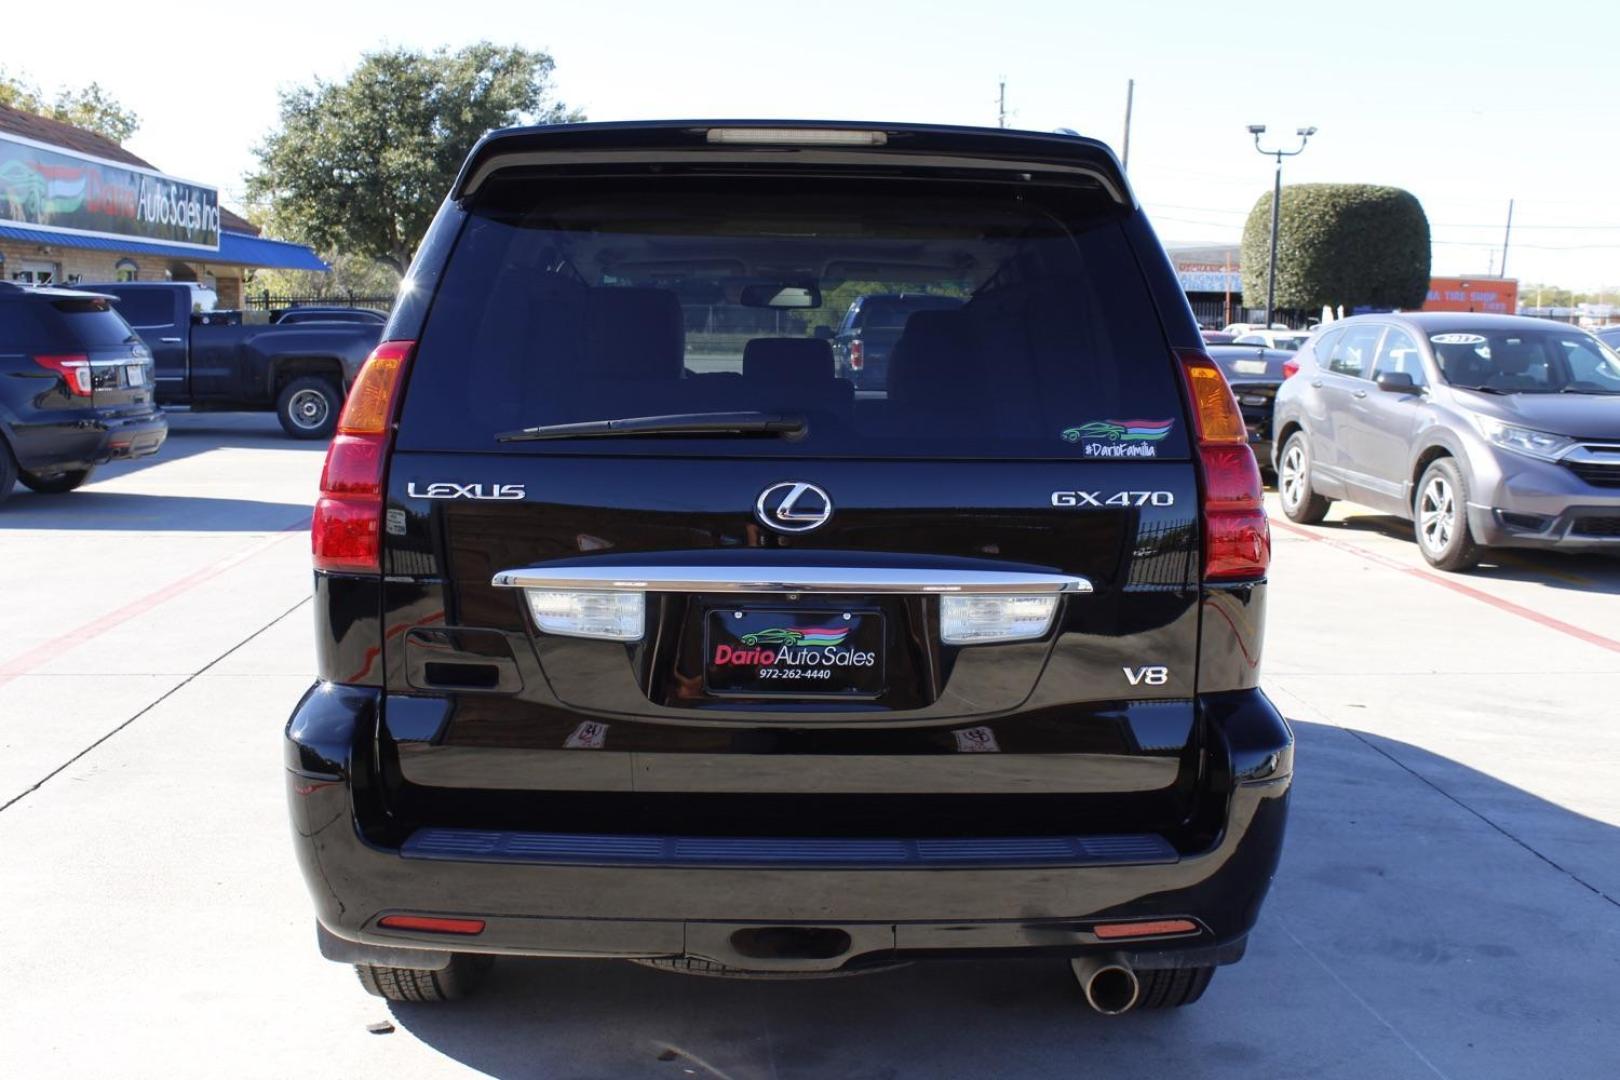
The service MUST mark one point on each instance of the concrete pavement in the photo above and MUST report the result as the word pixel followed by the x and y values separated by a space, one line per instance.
pixel 1448 905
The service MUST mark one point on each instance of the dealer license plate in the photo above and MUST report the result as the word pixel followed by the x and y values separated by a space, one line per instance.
pixel 752 651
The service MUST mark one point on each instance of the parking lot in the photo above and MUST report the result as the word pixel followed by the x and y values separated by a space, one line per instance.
pixel 1448 903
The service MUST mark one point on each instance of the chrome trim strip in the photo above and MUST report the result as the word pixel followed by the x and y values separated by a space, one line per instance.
pixel 789 579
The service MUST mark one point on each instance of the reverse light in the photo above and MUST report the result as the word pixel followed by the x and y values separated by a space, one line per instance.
pixel 1237 537
pixel 797 137
pixel 74 369
pixel 1522 440
pixel 980 618
pixel 615 615
pixel 345 532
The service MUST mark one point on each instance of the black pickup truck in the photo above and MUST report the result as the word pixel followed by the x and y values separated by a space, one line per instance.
pixel 215 361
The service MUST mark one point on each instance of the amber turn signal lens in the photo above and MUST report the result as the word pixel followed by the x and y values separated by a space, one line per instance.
pixel 1215 410
pixel 370 407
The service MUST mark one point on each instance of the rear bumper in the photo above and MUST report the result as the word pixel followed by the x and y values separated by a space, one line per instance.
pixel 88 440
pixel 644 897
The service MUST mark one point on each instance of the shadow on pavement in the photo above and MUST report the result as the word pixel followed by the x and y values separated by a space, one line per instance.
pixel 1406 936
pixel 1578 571
pixel 191 434
pixel 109 511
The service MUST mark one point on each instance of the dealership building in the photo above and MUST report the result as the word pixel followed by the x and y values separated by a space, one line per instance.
pixel 75 206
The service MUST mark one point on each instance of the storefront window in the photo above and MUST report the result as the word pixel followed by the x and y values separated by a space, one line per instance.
pixel 126 270
pixel 35 273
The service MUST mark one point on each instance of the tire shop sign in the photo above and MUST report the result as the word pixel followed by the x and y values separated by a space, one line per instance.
pixel 46 187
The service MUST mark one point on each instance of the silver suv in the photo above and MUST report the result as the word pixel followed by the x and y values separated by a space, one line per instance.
pixel 1484 430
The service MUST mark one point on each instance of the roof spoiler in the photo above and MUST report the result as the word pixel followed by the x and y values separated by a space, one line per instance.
pixel 824 141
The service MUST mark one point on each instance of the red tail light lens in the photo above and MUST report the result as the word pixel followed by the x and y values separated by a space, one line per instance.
pixel 74 369
pixel 345 533
pixel 857 356
pixel 1290 368
pixel 1237 538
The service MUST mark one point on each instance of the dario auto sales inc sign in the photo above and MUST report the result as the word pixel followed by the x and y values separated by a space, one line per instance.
pixel 44 187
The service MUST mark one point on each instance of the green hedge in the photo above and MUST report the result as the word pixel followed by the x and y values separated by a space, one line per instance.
pixel 1349 244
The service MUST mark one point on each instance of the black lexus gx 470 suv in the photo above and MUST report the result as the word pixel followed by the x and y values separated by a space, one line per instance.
pixel 642 634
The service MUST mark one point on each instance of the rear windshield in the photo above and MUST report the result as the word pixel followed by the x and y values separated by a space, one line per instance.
pixel 88 323
pixel 1023 326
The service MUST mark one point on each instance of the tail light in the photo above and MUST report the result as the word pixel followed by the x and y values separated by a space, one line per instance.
pixel 74 369
pixel 857 356
pixel 1290 368
pixel 345 533
pixel 1237 539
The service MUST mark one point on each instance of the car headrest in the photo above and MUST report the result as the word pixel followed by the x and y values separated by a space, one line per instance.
pixel 635 334
pixel 934 363
pixel 788 359
pixel 1512 358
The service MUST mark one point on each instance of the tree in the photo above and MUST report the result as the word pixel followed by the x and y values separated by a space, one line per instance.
pixel 357 275
pixel 360 166
pixel 92 108
pixel 1350 244
pixel 1540 294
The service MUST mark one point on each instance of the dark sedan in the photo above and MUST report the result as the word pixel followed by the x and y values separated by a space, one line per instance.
pixel 1254 374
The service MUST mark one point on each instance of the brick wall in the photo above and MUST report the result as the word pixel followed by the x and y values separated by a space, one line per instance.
pixel 93 265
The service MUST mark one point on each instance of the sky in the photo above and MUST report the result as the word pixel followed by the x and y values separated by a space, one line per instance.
pixel 1464 105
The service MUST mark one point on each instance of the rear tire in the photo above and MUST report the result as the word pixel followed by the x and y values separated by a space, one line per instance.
pixel 1300 504
pixel 461 978
pixel 308 407
pixel 1440 518
pixel 1171 988
pixel 60 484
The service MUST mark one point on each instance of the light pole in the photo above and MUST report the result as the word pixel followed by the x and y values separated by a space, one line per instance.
pixel 1304 134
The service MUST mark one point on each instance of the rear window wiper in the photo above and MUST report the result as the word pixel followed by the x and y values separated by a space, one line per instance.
pixel 787 425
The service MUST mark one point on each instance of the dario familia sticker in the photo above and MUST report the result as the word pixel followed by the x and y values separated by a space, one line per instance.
pixel 1119 438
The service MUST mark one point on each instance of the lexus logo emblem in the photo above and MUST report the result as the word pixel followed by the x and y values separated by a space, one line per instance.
pixel 793 507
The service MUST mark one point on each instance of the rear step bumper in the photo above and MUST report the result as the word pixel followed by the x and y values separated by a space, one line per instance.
pixel 472 845
pixel 640 896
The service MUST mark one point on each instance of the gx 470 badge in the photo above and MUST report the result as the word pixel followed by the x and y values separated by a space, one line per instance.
pixel 1118 498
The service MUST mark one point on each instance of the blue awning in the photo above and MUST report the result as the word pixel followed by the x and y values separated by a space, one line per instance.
pixel 235 249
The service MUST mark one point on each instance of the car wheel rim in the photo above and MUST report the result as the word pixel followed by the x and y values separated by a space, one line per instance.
pixel 1437 514
pixel 1292 479
pixel 308 409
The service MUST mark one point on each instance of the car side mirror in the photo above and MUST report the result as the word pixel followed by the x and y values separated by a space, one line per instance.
pixel 1398 382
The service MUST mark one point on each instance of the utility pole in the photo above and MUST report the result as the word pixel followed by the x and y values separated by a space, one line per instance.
pixel 1304 134
pixel 1001 104
pixel 1506 236
pixel 1125 154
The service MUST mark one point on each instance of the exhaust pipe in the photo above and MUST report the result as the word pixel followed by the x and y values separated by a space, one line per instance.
pixel 1111 987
